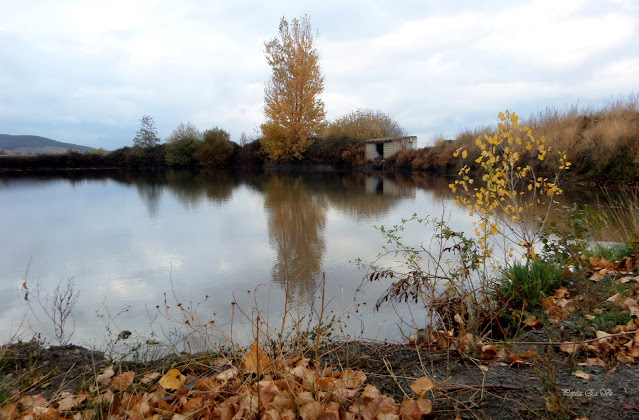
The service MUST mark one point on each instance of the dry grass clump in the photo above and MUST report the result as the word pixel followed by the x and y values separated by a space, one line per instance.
pixel 595 139
pixel 599 142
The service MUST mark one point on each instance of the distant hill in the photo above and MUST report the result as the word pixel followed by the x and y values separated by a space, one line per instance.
pixel 36 144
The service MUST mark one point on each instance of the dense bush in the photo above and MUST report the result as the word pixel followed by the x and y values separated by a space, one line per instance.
pixel 329 150
pixel 218 150
pixel 182 144
pixel 249 156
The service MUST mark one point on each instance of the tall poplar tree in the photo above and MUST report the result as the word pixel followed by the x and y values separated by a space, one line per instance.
pixel 294 112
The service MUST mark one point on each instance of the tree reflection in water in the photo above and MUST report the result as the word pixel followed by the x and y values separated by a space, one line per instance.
pixel 296 220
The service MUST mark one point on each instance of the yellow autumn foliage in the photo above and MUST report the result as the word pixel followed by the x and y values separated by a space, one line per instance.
pixel 294 112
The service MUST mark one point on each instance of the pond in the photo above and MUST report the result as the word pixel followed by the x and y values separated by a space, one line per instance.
pixel 216 245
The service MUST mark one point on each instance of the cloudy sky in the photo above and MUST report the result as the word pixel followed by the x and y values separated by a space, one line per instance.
pixel 85 71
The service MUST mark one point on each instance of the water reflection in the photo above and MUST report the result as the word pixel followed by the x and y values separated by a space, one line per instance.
pixel 123 236
pixel 296 220
pixel 150 188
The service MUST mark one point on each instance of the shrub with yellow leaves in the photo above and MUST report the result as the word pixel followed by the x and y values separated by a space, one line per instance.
pixel 504 183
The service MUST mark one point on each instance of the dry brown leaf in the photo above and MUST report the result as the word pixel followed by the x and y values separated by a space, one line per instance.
pixel 304 397
pixel 69 402
pixel 616 298
pixel 517 361
pixel 631 305
pixel 581 374
pixel 123 381
pixel 105 377
pixel 332 408
pixel 415 409
pixel 593 361
pixel 256 360
pixel 387 405
pixel 489 351
pixel 311 410
pixel 351 379
pixel 421 386
pixel 9 411
pixel 529 353
pixel 569 347
pixel 370 393
pixel 208 384
pixel 626 279
pixel 228 374
pixel 192 404
pixel 533 322
pixel 387 416
pixel 172 380
pixel 268 394
pixel 484 368
pixel 140 410
pixel 283 400
pixel 45 413
pixel 149 378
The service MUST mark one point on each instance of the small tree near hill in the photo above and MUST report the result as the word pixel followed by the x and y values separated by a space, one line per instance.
pixel 147 136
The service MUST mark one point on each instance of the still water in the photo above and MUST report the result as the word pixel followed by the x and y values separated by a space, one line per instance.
pixel 132 243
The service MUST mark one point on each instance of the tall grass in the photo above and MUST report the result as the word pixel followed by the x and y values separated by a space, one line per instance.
pixel 600 142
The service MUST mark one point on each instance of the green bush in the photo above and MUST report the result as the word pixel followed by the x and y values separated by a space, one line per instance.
pixel 526 285
pixel 182 145
pixel 218 150
pixel 615 252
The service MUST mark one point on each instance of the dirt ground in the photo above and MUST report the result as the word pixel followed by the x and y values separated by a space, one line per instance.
pixel 544 388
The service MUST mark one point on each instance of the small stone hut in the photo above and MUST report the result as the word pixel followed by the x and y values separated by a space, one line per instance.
pixel 386 147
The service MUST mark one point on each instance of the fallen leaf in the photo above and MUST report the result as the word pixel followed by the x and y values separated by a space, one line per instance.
pixel 533 322
pixel 311 410
pixel 192 405
pixel 581 374
pixel 632 306
pixel 484 368
pixel 569 347
pixel 421 385
pixel 370 393
pixel 529 353
pixel 71 401
pixel 414 409
pixel 627 407
pixel 517 361
pixel 227 375
pixel 256 360
pixel 105 377
pixel 122 381
pixel 351 379
pixel 489 351
pixel 149 378
pixel 283 400
pixel 208 384
pixel 172 380
pixel 324 383
pixel 593 361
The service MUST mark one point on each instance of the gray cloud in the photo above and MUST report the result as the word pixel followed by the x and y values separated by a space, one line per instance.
pixel 85 72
